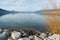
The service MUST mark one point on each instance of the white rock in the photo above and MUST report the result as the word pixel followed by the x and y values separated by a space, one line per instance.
pixel 43 35
pixel 4 34
pixel 46 39
pixel 54 37
pixel 6 30
pixel 37 38
pixel 31 36
pixel 9 39
pixel 1 30
pixel 24 39
pixel 15 34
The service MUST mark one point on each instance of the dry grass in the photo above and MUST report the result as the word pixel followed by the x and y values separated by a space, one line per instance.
pixel 53 20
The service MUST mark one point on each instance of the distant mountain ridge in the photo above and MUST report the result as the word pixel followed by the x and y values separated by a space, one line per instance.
pixel 4 12
pixel 42 11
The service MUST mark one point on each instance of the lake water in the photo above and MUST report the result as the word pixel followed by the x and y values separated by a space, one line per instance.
pixel 25 20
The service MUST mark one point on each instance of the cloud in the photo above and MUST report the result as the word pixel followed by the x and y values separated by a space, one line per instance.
pixel 23 5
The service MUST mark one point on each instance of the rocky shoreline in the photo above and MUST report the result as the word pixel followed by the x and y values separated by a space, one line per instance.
pixel 24 34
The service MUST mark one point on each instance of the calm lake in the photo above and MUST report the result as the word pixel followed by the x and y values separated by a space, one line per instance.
pixel 25 20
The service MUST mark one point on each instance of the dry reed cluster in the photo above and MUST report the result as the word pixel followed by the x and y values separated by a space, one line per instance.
pixel 53 18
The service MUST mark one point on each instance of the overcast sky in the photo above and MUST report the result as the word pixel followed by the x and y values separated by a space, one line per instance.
pixel 25 5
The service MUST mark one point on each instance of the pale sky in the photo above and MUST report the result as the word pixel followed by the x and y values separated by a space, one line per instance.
pixel 26 5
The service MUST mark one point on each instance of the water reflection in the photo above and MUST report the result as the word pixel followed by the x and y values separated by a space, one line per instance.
pixel 22 20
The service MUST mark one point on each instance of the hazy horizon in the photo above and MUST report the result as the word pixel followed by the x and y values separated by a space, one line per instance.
pixel 26 5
